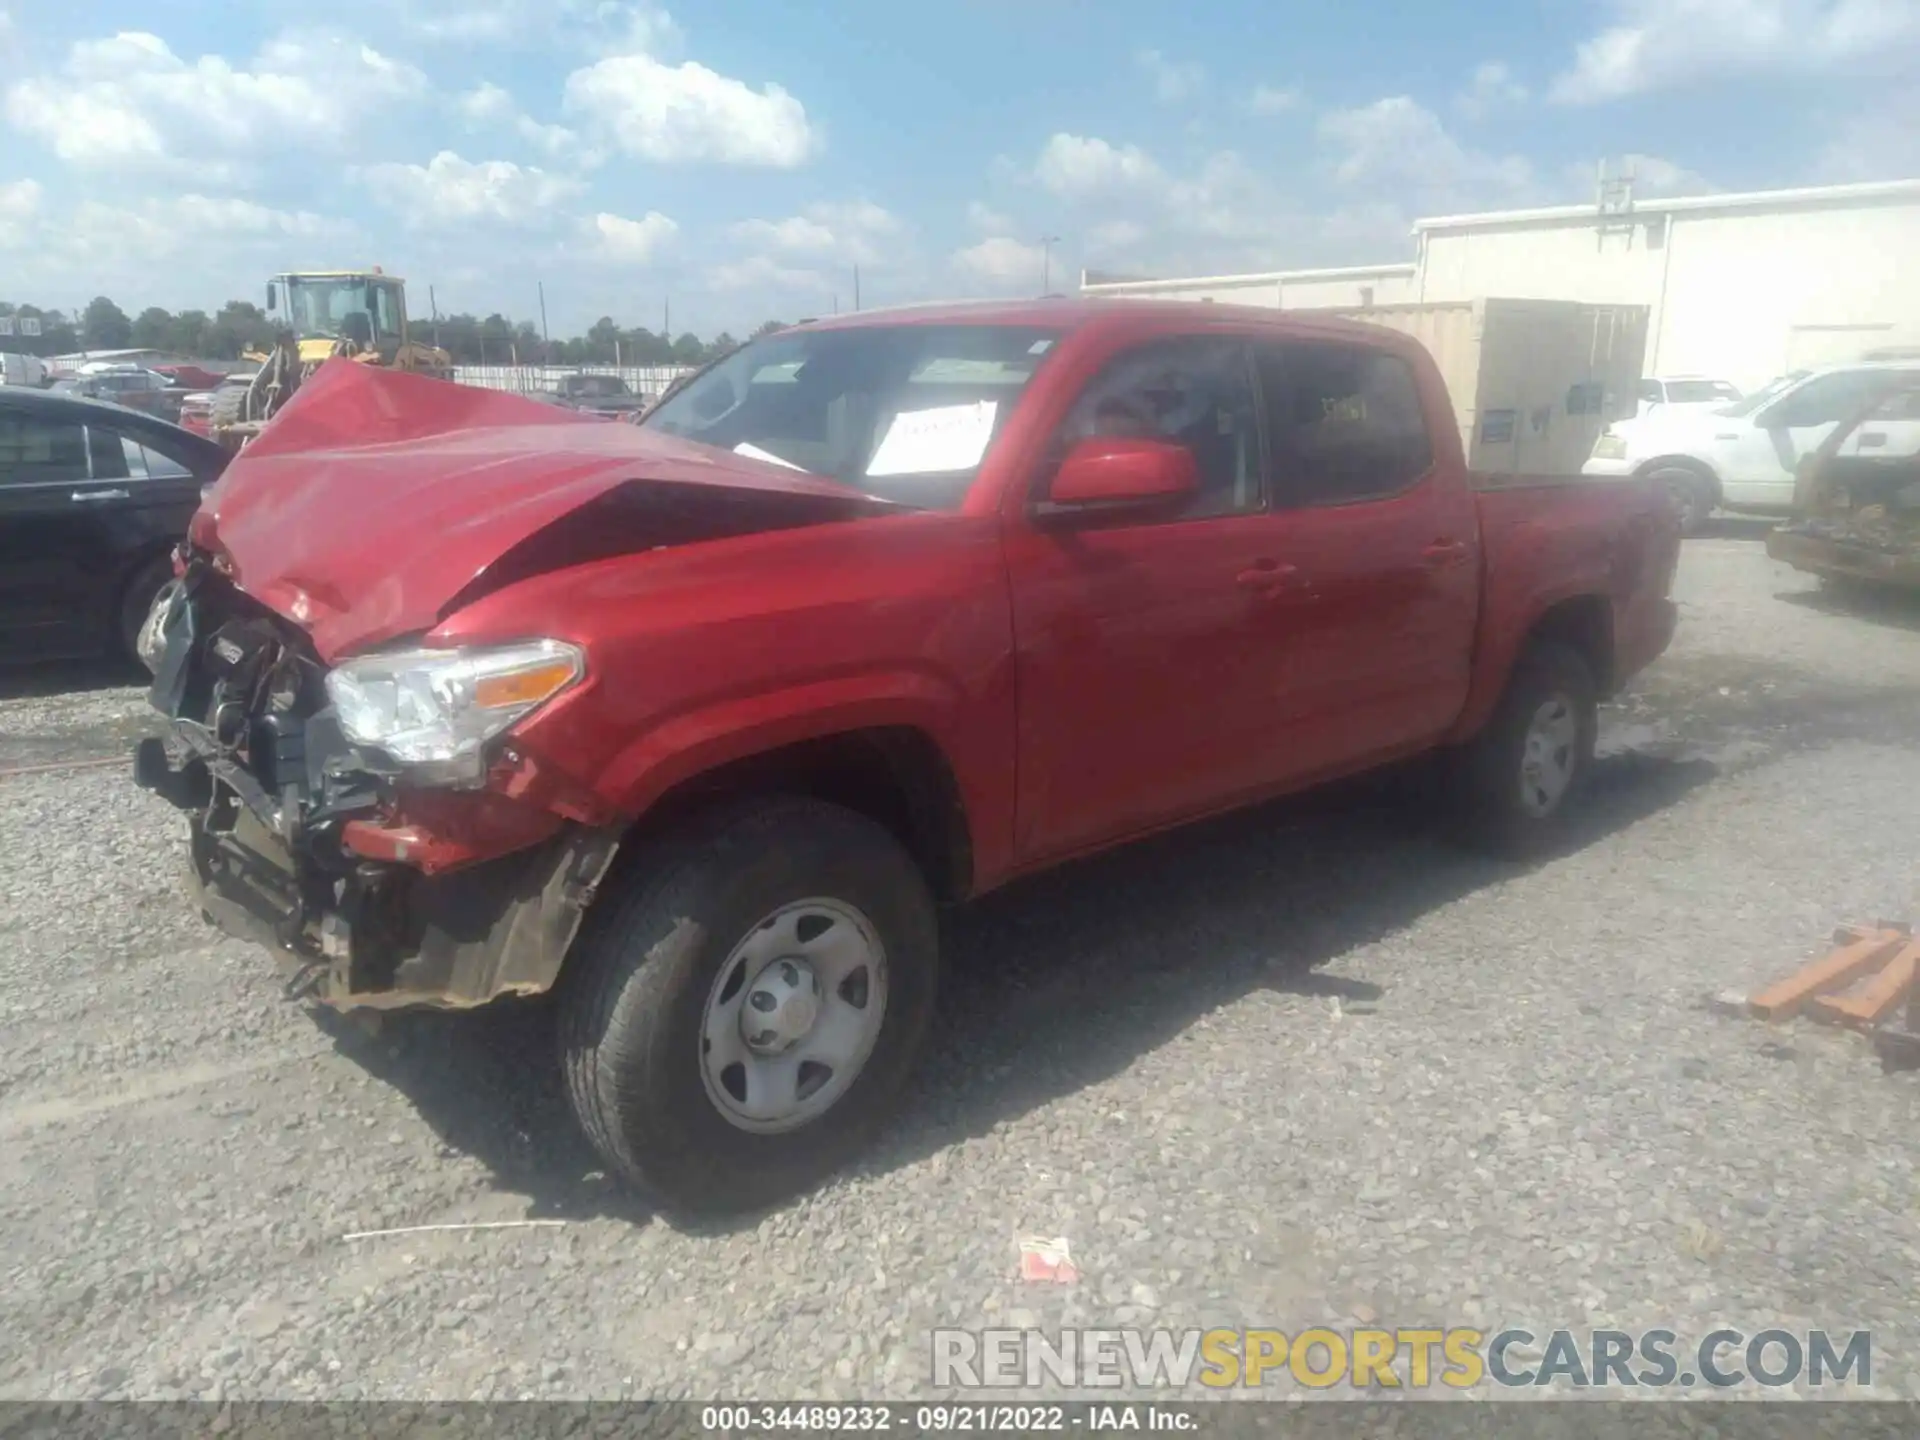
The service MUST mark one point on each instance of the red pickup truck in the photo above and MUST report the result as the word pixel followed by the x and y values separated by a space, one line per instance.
pixel 696 722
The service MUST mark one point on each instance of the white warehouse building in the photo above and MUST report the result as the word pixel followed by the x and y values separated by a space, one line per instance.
pixel 1741 287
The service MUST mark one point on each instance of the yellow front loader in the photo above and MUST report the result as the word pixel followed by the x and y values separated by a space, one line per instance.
pixel 319 314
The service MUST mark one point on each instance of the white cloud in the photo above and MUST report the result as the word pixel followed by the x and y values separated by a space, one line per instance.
pixel 487 104
pixel 489 107
pixel 1491 88
pixel 858 232
pixel 1656 44
pixel 19 208
pixel 759 272
pixel 986 220
pixel 633 242
pixel 1876 140
pixel 1274 100
pixel 683 113
pixel 1002 262
pixel 1396 144
pixel 1173 80
pixel 1082 167
pixel 1115 235
pixel 448 191
pixel 604 26
pixel 129 102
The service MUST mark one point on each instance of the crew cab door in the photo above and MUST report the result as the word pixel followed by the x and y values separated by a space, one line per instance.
pixel 1149 645
pixel 1384 536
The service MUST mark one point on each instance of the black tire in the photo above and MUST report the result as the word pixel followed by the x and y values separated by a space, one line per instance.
pixel 1694 495
pixel 136 600
pixel 1490 772
pixel 634 999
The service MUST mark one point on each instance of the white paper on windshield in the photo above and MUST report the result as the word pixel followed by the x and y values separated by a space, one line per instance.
pixel 936 441
pixel 754 452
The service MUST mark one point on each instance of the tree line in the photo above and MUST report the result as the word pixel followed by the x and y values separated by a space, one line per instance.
pixel 240 325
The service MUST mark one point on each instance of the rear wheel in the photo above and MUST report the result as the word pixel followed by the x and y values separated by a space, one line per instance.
pixel 743 1010
pixel 1516 782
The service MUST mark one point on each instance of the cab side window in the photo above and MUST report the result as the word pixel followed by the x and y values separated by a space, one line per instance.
pixel 1344 423
pixel 1194 391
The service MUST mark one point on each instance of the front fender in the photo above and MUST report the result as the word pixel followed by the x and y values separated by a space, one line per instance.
pixel 696 741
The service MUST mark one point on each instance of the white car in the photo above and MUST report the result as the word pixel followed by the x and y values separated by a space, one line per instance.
pixel 1745 456
pixel 1685 390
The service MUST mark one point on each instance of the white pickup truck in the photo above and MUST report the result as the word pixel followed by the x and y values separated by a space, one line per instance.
pixel 1745 456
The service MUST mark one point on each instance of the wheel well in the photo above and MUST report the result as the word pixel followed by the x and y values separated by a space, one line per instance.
pixel 135 568
pixel 1681 462
pixel 1584 625
pixel 895 775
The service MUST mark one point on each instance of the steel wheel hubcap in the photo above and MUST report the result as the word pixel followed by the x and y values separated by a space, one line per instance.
pixel 1547 760
pixel 793 1016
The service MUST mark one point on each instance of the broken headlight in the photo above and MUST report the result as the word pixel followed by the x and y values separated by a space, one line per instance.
pixel 432 707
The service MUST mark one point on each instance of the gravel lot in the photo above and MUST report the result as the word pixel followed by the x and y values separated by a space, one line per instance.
pixel 1307 1066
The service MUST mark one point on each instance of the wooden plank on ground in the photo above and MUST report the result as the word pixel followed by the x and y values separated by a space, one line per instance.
pixel 1784 998
pixel 1875 999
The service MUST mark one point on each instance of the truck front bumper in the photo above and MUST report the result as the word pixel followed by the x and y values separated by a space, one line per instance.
pixel 269 859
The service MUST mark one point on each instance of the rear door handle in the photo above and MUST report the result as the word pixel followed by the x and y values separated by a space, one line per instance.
pixel 83 497
pixel 1270 578
pixel 1445 552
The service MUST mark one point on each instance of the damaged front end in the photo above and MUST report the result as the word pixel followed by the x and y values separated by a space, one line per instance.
pixel 1856 512
pixel 376 891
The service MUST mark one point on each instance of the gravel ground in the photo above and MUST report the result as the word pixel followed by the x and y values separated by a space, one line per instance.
pixel 1306 1066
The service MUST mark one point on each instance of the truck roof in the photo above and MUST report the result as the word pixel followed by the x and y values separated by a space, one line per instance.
pixel 1069 313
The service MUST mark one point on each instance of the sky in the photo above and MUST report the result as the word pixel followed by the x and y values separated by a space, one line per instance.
pixel 736 161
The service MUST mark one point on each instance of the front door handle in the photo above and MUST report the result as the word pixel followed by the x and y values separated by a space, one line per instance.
pixel 1445 552
pixel 82 497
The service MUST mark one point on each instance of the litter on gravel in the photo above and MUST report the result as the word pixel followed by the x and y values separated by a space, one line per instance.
pixel 1047 1261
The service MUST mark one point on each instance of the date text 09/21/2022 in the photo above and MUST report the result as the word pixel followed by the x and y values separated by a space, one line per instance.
pixel 961 1418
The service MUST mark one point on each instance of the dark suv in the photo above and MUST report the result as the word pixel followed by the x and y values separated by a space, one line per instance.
pixel 93 498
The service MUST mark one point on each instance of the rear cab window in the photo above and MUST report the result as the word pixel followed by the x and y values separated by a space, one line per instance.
pixel 1344 422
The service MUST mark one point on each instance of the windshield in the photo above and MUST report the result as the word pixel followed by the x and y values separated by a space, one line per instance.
pixel 1697 392
pixel 904 412
pixel 1765 393
pixel 366 311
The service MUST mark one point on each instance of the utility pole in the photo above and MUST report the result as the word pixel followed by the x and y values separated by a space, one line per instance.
pixel 1047 242
pixel 546 344
pixel 856 287
pixel 666 321
pixel 433 309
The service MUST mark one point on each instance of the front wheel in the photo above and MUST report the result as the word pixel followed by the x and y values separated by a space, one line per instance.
pixel 1517 780
pixel 743 1009
pixel 1692 495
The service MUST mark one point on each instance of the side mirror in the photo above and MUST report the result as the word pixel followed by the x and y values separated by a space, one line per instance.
pixel 273 296
pixel 1113 472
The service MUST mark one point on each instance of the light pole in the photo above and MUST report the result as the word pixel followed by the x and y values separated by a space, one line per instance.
pixel 1047 242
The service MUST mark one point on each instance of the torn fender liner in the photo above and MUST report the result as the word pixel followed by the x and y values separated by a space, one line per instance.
pixel 376 498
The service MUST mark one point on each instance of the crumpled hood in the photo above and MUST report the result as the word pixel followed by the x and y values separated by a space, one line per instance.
pixel 375 498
